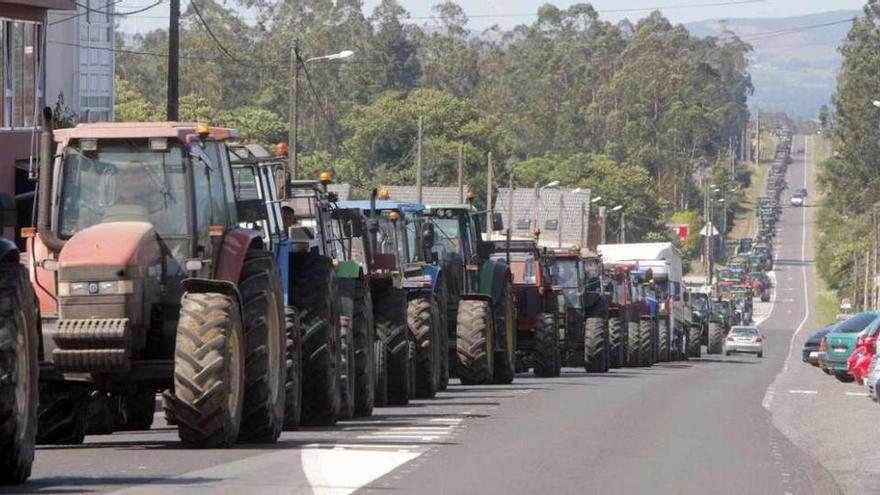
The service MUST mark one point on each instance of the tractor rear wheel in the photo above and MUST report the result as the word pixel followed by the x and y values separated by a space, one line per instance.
pixel 663 338
pixel 19 373
pixel 595 349
pixel 381 354
pixel 265 348
pixel 346 369
pixel 716 338
pixel 390 312
pixel 293 373
pixel 693 342
pixel 504 325
pixel 423 321
pixel 645 343
pixel 633 344
pixel 136 410
pixel 443 310
pixel 63 414
pixel 617 342
pixel 474 342
pixel 363 333
pixel 546 351
pixel 209 370
pixel 315 290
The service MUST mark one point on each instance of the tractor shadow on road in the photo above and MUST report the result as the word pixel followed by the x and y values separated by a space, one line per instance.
pixel 723 361
pixel 76 484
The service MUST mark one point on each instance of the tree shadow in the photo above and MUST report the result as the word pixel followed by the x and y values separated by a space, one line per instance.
pixel 80 484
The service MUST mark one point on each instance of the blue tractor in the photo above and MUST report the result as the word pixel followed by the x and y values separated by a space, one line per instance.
pixel 404 287
pixel 330 372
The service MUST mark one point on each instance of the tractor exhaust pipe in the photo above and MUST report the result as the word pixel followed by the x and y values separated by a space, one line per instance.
pixel 44 208
pixel 373 226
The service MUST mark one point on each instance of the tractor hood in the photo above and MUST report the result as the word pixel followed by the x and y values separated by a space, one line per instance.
pixel 110 251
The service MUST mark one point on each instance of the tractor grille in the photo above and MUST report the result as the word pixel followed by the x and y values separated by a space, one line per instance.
pixel 92 345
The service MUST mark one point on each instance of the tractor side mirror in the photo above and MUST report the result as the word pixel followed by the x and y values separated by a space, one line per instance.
pixel 356 225
pixel 8 216
pixel 497 222
pixel 280 177
pixel 428 240
pixel 485 249
pixel 686 296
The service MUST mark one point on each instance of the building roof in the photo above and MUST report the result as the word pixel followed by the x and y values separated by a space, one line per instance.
pixel 42 4
pixel 551 211
pixel 430 194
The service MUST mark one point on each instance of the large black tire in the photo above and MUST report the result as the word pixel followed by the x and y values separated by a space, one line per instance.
pixel 423 321
pixel 293 378
pixel 363 333
pixel 19 373
pixel 504 361
pixel 315 291
pixel 443 309
pixel 380 352
pixel 136 410
pixel 716 338
pixel 546 350
pixel 265 348
pixel 347 373
pixel 663 336
pixel 595 345
pixel 645 343
pixel 389 308
pixel 693 343
pixel 617 342
pixel 474 342
pixel 209 370
pixel 102 413
pixel 633 344
pixel 63 413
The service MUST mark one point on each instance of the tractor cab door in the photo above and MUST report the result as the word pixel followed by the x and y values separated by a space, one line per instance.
pixel 213 199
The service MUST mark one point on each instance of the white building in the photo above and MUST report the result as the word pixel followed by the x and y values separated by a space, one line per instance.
pixel 81 61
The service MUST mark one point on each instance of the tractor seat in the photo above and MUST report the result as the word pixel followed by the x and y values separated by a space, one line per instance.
pixel 126 213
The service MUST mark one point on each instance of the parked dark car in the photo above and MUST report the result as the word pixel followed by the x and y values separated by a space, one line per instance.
pixel 811 346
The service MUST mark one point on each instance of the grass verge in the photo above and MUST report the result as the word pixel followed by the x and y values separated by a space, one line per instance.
pixel 826 299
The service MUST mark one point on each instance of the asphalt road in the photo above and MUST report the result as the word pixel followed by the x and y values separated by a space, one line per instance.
pixel 707 426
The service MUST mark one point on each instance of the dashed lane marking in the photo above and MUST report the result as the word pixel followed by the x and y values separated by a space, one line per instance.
pixel 856 394
pixel 804 392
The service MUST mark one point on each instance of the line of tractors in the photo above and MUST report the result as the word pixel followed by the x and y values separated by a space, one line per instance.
pixel 728 300
pixel 169 259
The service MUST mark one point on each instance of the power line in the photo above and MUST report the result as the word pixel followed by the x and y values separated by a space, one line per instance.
pixel 106 12
pixel 211 34
pixel 782 32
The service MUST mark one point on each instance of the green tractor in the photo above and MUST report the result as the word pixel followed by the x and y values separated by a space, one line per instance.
pixel 477 294
pixel 699 325
pixel 720 318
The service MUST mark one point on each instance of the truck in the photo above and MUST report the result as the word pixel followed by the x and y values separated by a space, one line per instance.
pixel 147 282
pixel 19 360
pixel 665 262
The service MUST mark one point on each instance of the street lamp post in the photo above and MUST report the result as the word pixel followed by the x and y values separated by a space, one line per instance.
pixel 538 189
pixel 621 239
pixel 293 99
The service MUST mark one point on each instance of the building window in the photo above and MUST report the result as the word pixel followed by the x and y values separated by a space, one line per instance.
pixel 551 225
pixel 523 224
pixel 19 73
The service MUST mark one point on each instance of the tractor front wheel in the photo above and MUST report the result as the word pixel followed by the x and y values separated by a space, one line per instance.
pixel 716 338
pixel 293 373
pixel 616 342
pixel 546 351
pixel 693 342
pixel 595 346
pixel 423 321
pixel 391 328
pixel 209 374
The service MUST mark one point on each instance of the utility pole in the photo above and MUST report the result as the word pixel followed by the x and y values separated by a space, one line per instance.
pixel 867 274
pixel 584 213
pixel 623 226
pixel 537 206
pixel 758 137
pixel 510 205
pixel 488 197
pixel 559 220
pixel 602 219
pixel 419 166
pixel 173 94
pixel 293 113
pixel 461 173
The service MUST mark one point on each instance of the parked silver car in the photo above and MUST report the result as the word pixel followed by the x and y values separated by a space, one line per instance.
pixel 747 340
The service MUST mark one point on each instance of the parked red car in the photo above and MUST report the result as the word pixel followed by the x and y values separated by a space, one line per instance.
pixel 859 362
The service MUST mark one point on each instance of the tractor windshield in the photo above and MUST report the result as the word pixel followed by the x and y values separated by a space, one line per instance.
pixel 566 273
pixel 123 182
pixel 390 239
pixel 447 237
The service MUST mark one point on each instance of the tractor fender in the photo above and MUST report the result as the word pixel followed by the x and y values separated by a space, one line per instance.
pixel 8 250
pixel 434 272
pixel 203 285
pixel 233 251
pixel 493 277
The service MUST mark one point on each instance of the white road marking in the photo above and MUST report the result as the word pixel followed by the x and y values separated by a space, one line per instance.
pixel 804 392
pixel 332 472
pixel 856 394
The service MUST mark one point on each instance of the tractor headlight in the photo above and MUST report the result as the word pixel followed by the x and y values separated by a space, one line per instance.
pixel 111 287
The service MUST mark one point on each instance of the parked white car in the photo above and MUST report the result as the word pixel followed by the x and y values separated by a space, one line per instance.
pixel 797 200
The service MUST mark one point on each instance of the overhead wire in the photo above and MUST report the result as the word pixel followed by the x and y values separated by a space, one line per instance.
pixel 213 37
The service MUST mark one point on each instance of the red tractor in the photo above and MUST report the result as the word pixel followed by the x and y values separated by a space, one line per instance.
pixel 537 338
pixel 146 282
pixel 624 315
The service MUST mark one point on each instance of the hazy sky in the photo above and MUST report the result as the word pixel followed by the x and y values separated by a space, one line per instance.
pixel 508 13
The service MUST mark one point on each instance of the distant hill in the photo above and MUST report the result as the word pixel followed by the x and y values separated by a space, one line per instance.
pixel 794 70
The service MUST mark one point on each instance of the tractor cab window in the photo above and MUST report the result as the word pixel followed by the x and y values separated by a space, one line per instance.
pixel 447 238
pixel 567 273
pixel 210 195
pixel 523 269
pixel 123 181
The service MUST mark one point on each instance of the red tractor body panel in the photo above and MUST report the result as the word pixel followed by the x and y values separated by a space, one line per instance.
pixel 43 280
pixel 128 245
pixel 232 253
